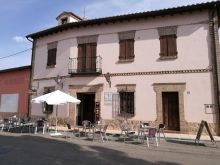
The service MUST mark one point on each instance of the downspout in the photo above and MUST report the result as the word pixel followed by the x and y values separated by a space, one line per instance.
pixel 215 71
pixel 31 74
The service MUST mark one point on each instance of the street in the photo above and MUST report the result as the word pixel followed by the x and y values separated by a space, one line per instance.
pixel 29 149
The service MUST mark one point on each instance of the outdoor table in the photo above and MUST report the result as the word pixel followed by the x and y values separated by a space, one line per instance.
pixel 29 125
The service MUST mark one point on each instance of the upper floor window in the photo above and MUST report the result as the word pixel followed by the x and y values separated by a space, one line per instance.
pixel 86 61
pixel 126 46
pixel 63 21
pixel 52 53
pixel 168 43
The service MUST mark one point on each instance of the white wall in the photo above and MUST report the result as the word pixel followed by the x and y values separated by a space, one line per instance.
pixel 193 53
pixel 192 45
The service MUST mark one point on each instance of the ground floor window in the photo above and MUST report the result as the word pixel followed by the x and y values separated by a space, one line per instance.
pixel 126 102
pixel 48 109
pixel 9 102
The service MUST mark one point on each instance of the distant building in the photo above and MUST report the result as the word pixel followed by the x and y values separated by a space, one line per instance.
pixel 14 91
pixel 159 66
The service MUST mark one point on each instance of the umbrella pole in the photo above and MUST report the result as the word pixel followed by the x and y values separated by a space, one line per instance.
pixel 56 120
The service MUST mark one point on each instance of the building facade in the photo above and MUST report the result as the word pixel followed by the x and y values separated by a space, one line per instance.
pixel 14 91
pixel 159 66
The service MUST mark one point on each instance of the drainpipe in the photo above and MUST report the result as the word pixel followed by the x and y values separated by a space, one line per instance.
pixel 215 63
pixel 31 74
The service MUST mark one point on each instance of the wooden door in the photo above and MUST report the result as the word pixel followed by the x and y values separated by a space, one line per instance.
pixel 170 101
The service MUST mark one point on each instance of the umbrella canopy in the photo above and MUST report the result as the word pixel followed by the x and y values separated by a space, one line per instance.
pixel 56 98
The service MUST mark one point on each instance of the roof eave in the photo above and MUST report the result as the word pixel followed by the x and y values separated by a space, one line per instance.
pixel 119 18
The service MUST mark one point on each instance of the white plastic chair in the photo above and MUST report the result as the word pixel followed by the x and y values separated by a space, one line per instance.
pixel 101 131
pixel 151 134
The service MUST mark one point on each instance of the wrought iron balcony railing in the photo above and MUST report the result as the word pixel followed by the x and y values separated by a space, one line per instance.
pixel 85 65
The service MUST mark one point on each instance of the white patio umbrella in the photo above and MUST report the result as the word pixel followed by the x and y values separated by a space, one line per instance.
pixel 56 98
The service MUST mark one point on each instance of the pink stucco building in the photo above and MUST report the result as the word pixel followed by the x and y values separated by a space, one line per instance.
pixel 159 66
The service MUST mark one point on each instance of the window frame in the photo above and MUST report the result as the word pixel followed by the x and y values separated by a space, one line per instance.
pixel 125 98
pixel 51 54
pixel 45 105
pixel 88 57
pixel 126 46
pixel 64 20
pixel 168 36
pixel 169 52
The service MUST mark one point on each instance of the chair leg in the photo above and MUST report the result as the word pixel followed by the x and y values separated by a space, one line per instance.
pixel 163 135
pixel 156 141
pixel 106 137
pixel 102 137
pixel 35 132
pixel 147 142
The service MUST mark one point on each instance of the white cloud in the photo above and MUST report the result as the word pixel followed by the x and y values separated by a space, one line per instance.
pixel 19 39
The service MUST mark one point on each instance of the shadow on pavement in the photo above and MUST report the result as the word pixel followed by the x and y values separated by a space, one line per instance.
pixel 35 150
pixel 186 142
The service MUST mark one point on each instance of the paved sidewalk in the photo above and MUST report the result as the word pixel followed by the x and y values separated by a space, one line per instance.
pixel 177 136
pixel 168 135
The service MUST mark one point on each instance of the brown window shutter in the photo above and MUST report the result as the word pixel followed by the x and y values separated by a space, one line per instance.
pixel 122 49
pixel 163 46
pixel 80 59
pixel 130 49
pixel 131 103
pixel 88 56
pixel 93 56
pixel 172 48
pixel 51 59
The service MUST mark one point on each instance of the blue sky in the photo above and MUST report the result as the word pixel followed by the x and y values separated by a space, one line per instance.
pixel 21 17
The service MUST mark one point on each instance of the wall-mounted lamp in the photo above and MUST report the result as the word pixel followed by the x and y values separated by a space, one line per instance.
pixel 58 80
pixel 34 88
pixel 108 78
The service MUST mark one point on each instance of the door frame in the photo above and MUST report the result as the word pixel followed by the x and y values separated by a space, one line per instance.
pixel 83 94
pixel 170 87
pixel 74 89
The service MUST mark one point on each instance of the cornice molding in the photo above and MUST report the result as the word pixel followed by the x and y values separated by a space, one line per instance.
pixel 143 73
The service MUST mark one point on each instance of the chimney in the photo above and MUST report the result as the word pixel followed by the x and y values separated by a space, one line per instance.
pixel 67 17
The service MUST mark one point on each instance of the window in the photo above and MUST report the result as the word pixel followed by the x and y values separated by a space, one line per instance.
pixel 126 102
pixel 52 52
pixel 48 109
pixel 63 21
pixel 126 49
pixel 9 102
pixel 86 61
pixel 168 44
pixel 126 45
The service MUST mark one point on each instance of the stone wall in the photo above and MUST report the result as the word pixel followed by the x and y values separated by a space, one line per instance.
pixel 191 128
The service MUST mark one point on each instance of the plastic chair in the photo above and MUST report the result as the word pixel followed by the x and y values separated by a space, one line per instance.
pixel 151 134
pixel 72 130
pixel 142 126
pixel 2 124
pixel 86 125
pixel 101 131
pixel 40 124
pixel 127 130
pixel 161 128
